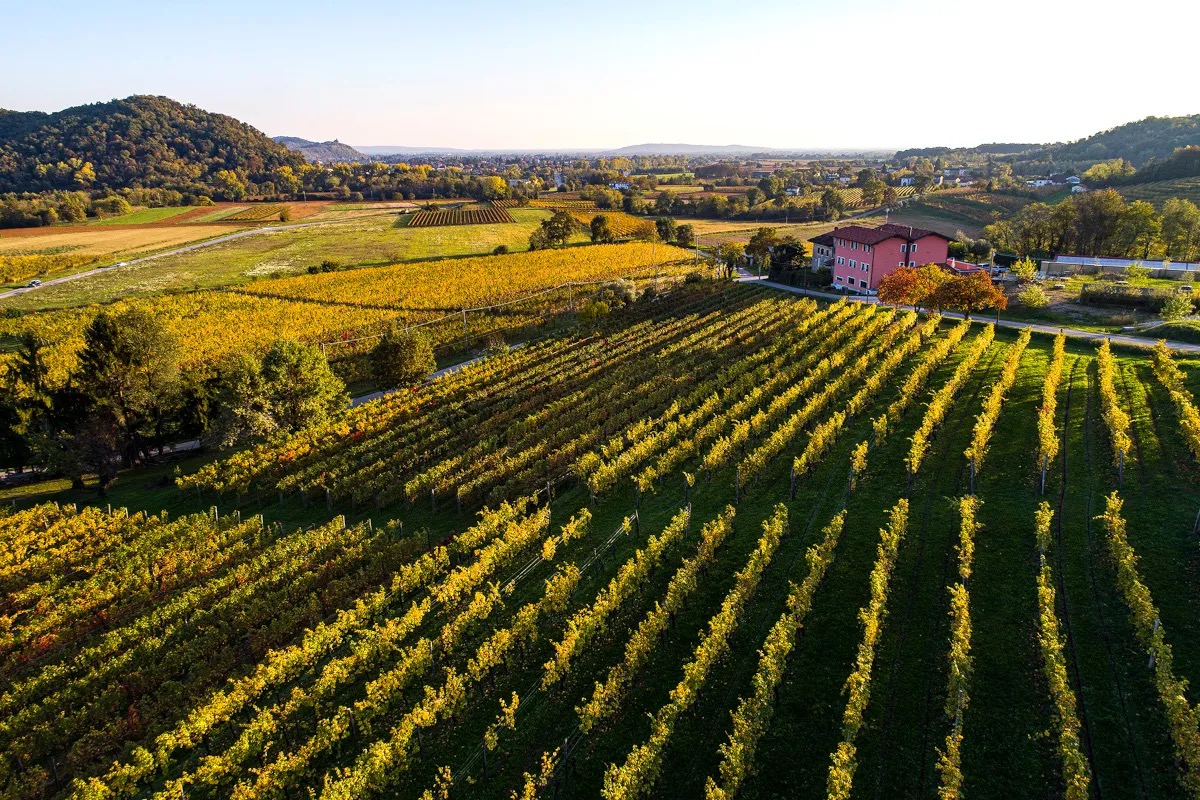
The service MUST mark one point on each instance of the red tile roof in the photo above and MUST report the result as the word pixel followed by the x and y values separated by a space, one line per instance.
pixel 873 236
pixel 963 267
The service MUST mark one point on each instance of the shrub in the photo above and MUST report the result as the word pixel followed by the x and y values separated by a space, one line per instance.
pixel 620 290
pixel 1177 307
pixel 594 310
pixel 501 250
pixel 1136 273
pixel 1034 296
pixel 1024 270
pixel 111 207
pixel 402 358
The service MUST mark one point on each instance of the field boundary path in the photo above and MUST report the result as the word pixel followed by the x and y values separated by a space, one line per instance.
pixel 1036 327
pixel 181 249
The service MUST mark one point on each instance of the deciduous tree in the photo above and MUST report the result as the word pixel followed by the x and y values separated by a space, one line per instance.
pixel 912 286
pixel 601 230
pixel 760 246
pixel 301 387
pixel 666 228
pixel 728 255
pixel 970 293
pixel 402 358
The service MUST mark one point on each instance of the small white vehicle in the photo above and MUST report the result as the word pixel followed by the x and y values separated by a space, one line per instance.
pixel 33 283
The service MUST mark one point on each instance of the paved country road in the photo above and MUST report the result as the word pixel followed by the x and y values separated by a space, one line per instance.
pixel 176 251
pixel 1076 333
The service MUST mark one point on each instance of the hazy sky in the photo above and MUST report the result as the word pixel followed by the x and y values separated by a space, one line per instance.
pixel 786 73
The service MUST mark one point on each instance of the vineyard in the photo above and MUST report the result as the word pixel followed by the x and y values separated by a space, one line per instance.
pixel 565 205
pixel 740 545
pixel 344 306
pixel 258 213
pixel 622 225
pixel 490 215
pixel 23 266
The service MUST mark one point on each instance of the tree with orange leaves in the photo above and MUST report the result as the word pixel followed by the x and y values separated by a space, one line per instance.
pixel 972 292
pixel 913 286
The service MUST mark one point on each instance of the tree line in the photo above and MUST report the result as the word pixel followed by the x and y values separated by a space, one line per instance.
pixel 1102 223
pixel 129 396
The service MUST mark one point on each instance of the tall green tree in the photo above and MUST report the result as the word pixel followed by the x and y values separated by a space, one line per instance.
pixel 1180 228
pixel 872 192
pixel 771 186
pixel 760 246
pixel 666 228
pixel 244 410
pixel 601 230
pixel 300 385
pixel 554 231
pixel 129 369
pixel 728 256
pixel 833 205
pixel 402 358
pixel 1140 229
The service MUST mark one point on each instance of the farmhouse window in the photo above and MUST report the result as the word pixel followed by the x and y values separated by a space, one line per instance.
pixel 912 248
pixel 903 248
pixel 912 263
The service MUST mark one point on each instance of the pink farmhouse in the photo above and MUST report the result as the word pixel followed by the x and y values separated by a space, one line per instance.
pixel 859 257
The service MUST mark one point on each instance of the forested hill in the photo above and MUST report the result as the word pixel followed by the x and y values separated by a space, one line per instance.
pixel 1136 142
pixel 326 152
pixel 1150 139
pixel 139 141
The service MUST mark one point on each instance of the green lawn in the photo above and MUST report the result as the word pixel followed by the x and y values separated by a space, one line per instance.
pixel 143 215
pixel 369 241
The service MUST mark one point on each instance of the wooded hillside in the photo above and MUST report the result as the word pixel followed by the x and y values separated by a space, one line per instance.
pixel 139 141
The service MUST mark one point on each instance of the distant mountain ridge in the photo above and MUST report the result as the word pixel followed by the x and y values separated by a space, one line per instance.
pixel 664 149
pixel 682 149
pixel 142 140
pixel 329 152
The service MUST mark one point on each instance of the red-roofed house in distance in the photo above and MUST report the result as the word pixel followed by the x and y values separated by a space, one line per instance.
pixel 863 256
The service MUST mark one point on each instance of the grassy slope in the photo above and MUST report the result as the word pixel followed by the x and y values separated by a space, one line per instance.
pixel 143 215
